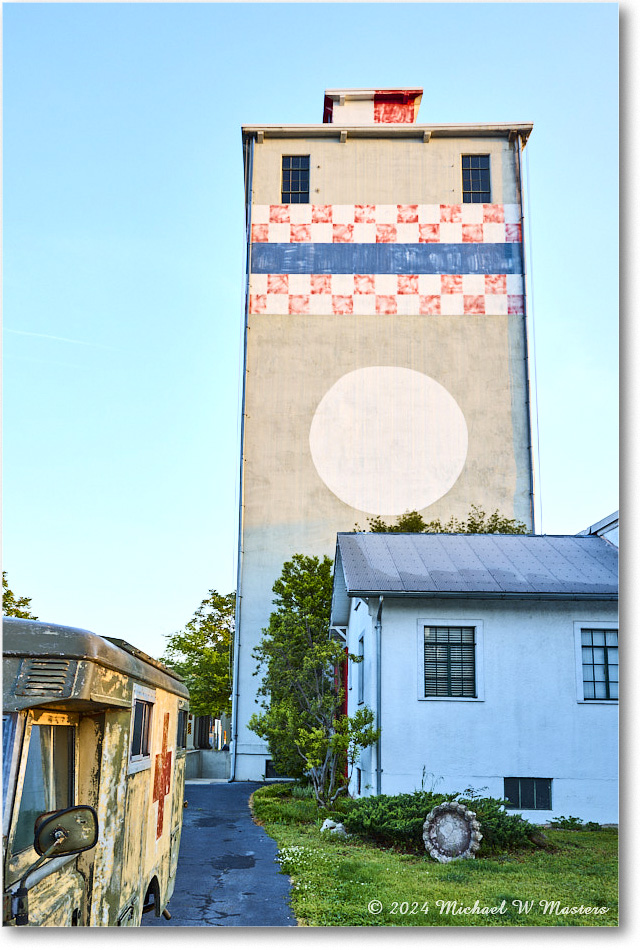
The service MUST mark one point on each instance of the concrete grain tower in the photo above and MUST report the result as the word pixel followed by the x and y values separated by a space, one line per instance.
pixel 385 352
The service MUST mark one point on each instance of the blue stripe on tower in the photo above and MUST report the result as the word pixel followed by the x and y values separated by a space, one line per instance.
pixel 387 258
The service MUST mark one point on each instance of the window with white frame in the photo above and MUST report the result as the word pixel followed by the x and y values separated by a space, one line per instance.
pixel 140 737
pixel 360 680
pixel 450 659
pixel 597 662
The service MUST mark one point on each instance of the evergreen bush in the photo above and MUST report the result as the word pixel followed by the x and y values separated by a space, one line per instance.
pixel 398 820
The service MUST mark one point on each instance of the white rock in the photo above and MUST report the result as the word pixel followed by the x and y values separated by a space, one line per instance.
pixel 334 827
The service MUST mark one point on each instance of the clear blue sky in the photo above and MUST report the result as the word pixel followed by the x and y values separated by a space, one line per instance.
pixel 124 264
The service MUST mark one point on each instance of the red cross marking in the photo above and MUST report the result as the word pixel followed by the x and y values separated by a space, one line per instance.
pixel 162 777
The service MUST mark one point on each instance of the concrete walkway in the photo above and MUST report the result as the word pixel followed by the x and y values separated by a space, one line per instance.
pixel 227 875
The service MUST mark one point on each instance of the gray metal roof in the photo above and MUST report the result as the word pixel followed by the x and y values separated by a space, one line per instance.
pixel 473 565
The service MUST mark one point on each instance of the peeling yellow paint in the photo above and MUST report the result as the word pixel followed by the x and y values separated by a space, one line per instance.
pixel 107 885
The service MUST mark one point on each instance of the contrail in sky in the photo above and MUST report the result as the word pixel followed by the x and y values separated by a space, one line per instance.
pixel 60 339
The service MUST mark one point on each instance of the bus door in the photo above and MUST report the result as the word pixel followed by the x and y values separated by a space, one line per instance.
pixel 45 763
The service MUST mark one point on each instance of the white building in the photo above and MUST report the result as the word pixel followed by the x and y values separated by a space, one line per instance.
pixel 490 662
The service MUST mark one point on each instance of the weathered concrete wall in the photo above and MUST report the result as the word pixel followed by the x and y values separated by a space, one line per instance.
pixel 527 720
pixel 193 764
pixel 384 171
pixel 207 763
pixel 471 357
pixel 215 764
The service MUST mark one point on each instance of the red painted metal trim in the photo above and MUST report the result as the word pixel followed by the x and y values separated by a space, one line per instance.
pixel 397 95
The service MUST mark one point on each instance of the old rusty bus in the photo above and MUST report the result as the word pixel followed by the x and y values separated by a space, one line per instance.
pixel 94 736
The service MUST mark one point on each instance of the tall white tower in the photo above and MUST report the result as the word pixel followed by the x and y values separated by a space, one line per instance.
pixel 385 351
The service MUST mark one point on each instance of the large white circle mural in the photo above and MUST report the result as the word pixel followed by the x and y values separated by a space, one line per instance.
pixel 387 440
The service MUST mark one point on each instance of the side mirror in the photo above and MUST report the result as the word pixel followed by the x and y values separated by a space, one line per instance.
pixel 68 831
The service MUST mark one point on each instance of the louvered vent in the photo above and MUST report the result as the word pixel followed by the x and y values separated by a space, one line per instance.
pixel 46 676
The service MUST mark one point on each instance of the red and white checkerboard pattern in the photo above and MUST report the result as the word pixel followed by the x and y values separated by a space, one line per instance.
pixel 386 293
pixel 386 224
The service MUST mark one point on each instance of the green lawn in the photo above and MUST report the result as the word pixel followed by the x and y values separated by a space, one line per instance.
pixel 335 880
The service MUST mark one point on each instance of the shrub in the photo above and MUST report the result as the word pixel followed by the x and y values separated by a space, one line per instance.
pixel 574 824
pixel 392 819
pixel 303 792
pixel 277 790
pixel 397 820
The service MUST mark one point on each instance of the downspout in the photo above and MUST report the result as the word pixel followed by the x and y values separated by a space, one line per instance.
pixel 518 143
pixel 249 170
pixel 378 701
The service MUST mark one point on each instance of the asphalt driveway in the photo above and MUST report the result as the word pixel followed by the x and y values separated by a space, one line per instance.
pixel 227 875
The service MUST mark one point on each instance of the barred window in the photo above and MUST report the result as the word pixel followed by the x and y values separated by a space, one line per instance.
pixel 295 180
pixel 532 793
pixel 449 661
pixel 475 173
pixel 600 664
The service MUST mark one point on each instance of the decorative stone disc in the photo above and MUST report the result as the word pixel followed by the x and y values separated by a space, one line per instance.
pixel 451 832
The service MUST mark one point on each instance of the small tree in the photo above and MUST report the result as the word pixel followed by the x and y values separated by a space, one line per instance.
pixel 301 719
pixel 13 606
pixel 477 522
pixel 202 654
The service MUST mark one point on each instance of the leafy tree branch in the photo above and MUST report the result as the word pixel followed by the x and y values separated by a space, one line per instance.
pixel 13 606
pixel 301 693
pixel 202 655
pixel 476 522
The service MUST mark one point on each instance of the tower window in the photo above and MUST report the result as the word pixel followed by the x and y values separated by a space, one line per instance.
pixel 475 174
pixel 295 180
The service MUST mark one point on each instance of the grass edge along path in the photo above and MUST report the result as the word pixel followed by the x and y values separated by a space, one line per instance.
pixel 349 882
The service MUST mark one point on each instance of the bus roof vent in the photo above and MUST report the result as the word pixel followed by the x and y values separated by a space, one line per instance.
pixel 40 676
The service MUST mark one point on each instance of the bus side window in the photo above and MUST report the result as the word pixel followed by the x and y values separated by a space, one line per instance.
pixel 49 779
pixel 143 700
pixel 181 731
pixel 141 730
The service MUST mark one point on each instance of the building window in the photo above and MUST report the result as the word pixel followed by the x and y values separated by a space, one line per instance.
pixel 295 183
pixel 600 670
pixel 528 793
pixel 475 174
pixel 360 683
pixel 449 661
